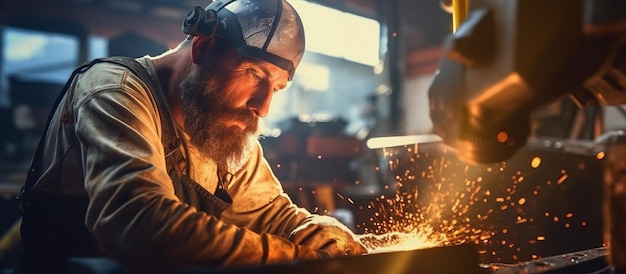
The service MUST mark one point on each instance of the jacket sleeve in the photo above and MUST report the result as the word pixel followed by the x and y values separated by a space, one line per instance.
pixel 133 211
pixel 260 204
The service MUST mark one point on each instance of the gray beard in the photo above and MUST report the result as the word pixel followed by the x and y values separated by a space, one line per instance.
pixel 234 164
pixel 204 115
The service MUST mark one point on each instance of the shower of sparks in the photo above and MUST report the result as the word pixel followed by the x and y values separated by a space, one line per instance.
pixel 441 215
pixel 446 202
pixel 513 211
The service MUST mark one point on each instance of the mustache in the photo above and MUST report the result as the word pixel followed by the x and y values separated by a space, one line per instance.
pixel 246 116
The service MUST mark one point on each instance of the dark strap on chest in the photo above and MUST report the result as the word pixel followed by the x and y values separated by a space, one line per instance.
pixel 170 139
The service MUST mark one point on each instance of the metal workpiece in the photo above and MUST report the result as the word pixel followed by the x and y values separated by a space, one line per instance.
pixel 591 261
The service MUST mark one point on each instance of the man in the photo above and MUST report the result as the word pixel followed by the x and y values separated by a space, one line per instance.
pixel 108 183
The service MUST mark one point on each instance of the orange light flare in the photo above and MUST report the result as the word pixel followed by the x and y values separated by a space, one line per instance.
pixel 440 201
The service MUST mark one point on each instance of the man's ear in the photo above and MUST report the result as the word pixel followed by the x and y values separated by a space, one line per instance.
pixel 202 48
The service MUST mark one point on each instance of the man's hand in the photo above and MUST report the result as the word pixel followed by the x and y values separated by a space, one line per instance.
pixel 328 234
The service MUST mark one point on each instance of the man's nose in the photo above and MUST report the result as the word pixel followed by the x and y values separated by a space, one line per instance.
pixel 259 103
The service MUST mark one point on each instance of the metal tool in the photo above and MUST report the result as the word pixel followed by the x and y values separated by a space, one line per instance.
pixel 510 57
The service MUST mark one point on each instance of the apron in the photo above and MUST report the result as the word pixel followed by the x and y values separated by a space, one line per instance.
pixel 53 227
pixel 188 190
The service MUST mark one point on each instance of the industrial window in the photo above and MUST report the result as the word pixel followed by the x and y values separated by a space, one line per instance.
pixel 339 34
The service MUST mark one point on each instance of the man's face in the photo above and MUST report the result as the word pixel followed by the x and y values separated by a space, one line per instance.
pixel 222 103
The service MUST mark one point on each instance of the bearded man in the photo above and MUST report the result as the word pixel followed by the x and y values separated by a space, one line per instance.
pixel 156 163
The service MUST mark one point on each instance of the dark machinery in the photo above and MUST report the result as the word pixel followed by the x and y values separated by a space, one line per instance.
pixel 511 57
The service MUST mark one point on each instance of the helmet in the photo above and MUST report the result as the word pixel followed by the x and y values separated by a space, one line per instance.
pixel 270 30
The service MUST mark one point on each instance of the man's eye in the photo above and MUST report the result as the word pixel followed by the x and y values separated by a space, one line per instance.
pixel 256 75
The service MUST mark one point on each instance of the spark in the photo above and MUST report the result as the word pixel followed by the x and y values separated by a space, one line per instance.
pixel 535 162
pixel 562 179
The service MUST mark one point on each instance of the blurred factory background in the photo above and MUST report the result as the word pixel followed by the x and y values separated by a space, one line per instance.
pixel 365 75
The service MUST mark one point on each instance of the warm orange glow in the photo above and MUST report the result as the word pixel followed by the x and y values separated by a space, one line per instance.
pixel 396 241
pixel 600 155
pixel 452 207
pixel 535 162
pixel 502 136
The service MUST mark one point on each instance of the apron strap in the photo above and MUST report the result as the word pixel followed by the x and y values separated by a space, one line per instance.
pixel 170 139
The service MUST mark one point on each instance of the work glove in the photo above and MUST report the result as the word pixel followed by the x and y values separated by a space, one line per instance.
pixel 279 250
pixel 327 234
